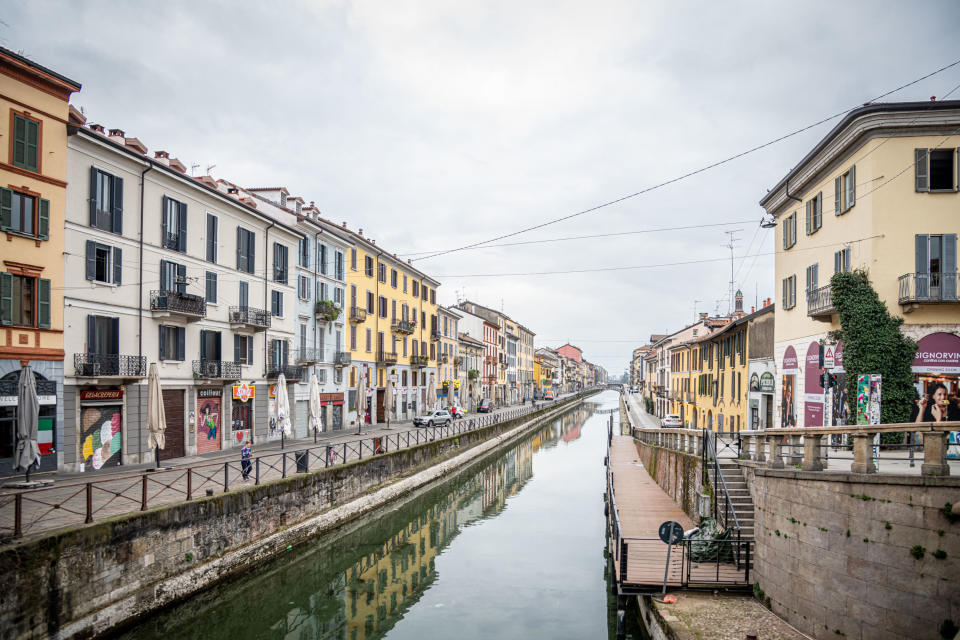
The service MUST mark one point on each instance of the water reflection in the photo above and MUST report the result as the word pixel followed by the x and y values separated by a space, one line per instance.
pixel 358 584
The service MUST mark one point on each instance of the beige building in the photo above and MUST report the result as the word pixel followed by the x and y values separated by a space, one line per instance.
pixel 879 193
pixel 449 364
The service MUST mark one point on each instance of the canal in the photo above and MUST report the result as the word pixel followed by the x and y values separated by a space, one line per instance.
pixel 512 547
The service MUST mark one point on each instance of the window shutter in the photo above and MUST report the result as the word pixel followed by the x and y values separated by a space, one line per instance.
pixel 93 196
pixel 836 261
pixel 286 352
pixel 181 285
pixel 809 217
pixel 847 263
pixel 92 334
pixel 252 252
pixel 239 248
pixel 837 194
pixel 250 350
pixel 921 181
pixel 793 229
pixel 43 230
pixel 163 221
pixel 236 348
pixel 117 265
pixel 949 278
pixel 6 298
pixel 163 333
pixel 33 142
pixel 814 270
pixel 181 343
pixel 92 260
pixel 818 211
pixel 244 294
pixel 783 293
pixel 6 208
pixel 182 227
pixel 852 196
pixel 116 204
pixel 114 336
pixel 19 141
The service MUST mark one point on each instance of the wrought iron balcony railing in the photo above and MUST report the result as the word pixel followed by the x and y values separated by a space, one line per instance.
pixel 171 241
pixel 419 361
pixel 387 358
pixel 184 304
pixel 928 287
pixel 434 334
pixel 358 314
pixel 309 356
pixel 93 365
pixel 292 373
pixel 444 358
pixel 820 303
pixel 404 327
pixel 217 369
pixel 259 319
pixel 342 359
pixel 327 310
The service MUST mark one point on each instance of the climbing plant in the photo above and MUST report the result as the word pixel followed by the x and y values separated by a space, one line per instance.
pixel 873 343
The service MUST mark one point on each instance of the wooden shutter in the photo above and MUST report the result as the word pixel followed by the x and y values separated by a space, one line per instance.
pixel 809 217
pixel 921 174
pixel 116 204
pixel 163 334
pixel 163 221
pixel 19 141
pixel 252 253
pixel 948 290
pixel 93 196
pixel 182 226
pixel 181 284
pixel 181 344
pixel 818 211
pixel 43 228
pixel 6 298
pixel 240 249
pixel 837 257
pixel 236 348
pixel 249 349
pixel 117 265
pixel 852 194
pixel 847 262
pixel 837 195
pixel 33 145
pixel 114 336
pixel 244 294
pixel 92 346
pixel 43 303
pixel 286 352
pixel 91 260
pixel 6 208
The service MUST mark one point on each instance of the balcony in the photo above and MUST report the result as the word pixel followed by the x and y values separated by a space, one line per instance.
pixel 308 356
pixel 185 305
pixel 258 319
pixel 387 358
pixel 434 334
pixel 217 370
pixel 820 303
pixel 341 359
pixel 327 311
pixel 171 240
pixel 927 288
pixel 403 327
pixel 358 314
pixel 291 372
pixel 419 362
pixel 443 359
pixel 92 365
pixel 458 361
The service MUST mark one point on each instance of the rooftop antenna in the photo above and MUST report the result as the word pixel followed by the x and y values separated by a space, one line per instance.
pixel 211 166
pixel 695 309
pixel 193 168
pixel 730 245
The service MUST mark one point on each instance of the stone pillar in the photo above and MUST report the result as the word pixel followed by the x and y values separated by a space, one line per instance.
pixel 811 454
pixel 760 444
pixel 863 454
pixel 793 456
pixel 746 449
pixel 776 452
pixel 935 454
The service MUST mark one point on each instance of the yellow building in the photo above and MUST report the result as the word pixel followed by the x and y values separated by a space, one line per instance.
pixel 683 381
pixel 33 175
pixel 394 332
pixel 721 370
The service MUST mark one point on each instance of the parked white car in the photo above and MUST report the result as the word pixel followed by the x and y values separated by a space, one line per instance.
pixel 671 421
pixel 433 419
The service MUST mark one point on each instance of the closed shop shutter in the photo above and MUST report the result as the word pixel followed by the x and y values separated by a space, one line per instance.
pixel 173 436
pixel 301 419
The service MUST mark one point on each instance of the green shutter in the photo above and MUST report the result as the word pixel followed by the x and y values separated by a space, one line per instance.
pixel 33 145
pixel 44 226
pixel 43 303
pixel 19 142
pixel 6 208
pixel 6 298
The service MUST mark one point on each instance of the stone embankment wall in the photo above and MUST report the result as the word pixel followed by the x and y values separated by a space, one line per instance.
pixel 679 474
pixel 81 582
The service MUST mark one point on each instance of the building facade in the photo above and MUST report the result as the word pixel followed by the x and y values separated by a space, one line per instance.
pixel 449 363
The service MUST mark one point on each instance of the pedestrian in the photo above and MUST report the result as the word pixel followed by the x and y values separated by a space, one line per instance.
pixel 245 464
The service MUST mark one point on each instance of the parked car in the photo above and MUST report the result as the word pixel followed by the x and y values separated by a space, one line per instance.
pixel 457 412
pixel 486 406
pixel 433 419
pixel 548 395
pixel 671 421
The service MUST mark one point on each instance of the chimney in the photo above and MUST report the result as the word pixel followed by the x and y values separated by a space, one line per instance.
pixel 162 157
pixel 96 127
pixel 360 231
pixel 752 309
pixel 232 190
pixel 344 224
pixel 117 135
pixel 703 316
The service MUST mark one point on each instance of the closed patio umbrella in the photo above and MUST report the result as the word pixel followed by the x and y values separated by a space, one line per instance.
pixel 388 402
pixel 315 407
pixel 361 401
pixel 156 420
pixel 28 413
pixel 432 391
pixel 283 409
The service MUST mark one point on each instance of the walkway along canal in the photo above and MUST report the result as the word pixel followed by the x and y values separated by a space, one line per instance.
pixel 510 547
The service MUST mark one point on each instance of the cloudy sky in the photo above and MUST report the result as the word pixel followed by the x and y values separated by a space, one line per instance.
pixel 433 125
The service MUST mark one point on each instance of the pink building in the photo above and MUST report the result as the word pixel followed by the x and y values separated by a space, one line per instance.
pixel 570 351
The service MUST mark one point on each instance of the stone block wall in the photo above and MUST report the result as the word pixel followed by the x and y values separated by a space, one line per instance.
pixel 836 553
pixel 678 474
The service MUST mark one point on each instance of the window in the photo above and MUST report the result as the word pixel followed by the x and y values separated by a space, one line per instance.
pixel 789 292
pixel 244 294
pixel 303 287
pixel 433 351
pixel 280 262
pixel 24 301
pixel 25 214
pixel 174 225
pixel 339 265
pixel 353 259
pixel 812 278
pixel 338 296
pixel 936 267
pixel 212 229
pixel 106 201
pixel 172 343
pixel 841 260
pixel 211 287
pixel 353 337
pixel 279 353
pixel 382 272
pixel 303 252
pixel 104 263
pixel 369 344
pixel 370 302
pixel 393 278
pixel 845 191
pixel 243 349
pixel 173 276
pixel 416 289
pixel 814 214
pixel 425 292
pixel 935 169
pixel 368 266
pixel 322 258
pixel 404 283
pixel 276 303
pixel 383 307
pixel 321 291
pixel 433 296
pixel 790 230
pixel 26 143
pixel 103 335
pixel 210 346
pixel 246 255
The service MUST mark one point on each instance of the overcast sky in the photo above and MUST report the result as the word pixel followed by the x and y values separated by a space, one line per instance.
pixel 432 125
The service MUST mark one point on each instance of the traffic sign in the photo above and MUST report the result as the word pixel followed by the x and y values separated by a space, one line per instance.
pixel 829 356
pixel 671 532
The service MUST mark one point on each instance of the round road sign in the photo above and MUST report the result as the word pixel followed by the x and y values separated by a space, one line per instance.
pixel 671 532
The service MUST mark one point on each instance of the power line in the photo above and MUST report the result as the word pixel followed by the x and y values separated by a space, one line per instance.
pixel 688 174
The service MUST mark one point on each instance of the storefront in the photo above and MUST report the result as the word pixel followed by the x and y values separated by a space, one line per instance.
pixel 789 371
pixel 47 424
pixel 241 413
pixel 209 419
pixel 761 392
pixel 331 413
pixel 936 373
pixel 100 431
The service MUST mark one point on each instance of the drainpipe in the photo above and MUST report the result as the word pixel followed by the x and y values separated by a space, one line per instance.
pixel 787 192
pixel 266 269
pixel 316 278
pixel 140 305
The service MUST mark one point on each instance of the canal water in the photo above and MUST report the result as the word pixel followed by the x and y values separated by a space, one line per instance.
pixel 512 547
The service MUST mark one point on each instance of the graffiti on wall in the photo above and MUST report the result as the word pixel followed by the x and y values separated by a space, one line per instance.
pixel 100 437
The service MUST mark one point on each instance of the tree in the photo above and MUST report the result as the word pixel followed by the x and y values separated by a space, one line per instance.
pixel 873 343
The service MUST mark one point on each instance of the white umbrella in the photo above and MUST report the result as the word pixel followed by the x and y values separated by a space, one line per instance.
pixel 28 413
pixel 388 402
pixel 283 408
pixel 156 420
pixel 361 397
pixel 432 391
pixel 315 406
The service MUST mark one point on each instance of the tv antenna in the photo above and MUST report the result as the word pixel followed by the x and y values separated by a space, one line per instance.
pixel 211 166
pixel 193 168
pixel 731 243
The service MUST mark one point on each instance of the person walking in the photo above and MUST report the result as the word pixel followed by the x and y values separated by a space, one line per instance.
pixel 245 464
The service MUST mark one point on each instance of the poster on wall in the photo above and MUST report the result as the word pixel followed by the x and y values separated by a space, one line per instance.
pixel 208 420
pixel 936 374
pixel 868 398
pixel 840 409
pixel 790 369
pixel 813 392
pixel 100 437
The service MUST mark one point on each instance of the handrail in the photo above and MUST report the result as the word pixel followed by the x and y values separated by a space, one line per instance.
pixel 708 442
pixel 893 427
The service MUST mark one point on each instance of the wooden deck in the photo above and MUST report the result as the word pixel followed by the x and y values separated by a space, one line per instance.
pixel 642 507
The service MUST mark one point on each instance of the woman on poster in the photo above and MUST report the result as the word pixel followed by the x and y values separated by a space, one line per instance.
pixel 935 406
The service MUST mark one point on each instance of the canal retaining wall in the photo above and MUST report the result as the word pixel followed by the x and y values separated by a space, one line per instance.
pixel 84 581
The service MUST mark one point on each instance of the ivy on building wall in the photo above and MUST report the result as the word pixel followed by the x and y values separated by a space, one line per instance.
pixel 873 343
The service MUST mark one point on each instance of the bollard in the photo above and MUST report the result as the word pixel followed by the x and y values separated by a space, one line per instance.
pixel 89 517
pixel 189 483
pixel 226 477
pixel 143 495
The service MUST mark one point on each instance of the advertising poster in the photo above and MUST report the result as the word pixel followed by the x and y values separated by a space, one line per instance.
pixel 840 407
pixel 100 436
pixel 936 373
pixel 813 392
pixel 863 398
pixel 788 415
pixel 208 420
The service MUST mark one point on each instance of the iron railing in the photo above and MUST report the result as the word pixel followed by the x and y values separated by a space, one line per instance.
pixel 928 287
pixel 404 327
pixel 93 365
pixel 185 304
pixel 171 240
pixel 419 361
pixel 387 358
pixel 309 356
pixel 342 358
pixel 434 334
pixel 820 302
pixel 710 464
pixel 250 316
pixel 217 369
pixel 358 314
pixel 292 373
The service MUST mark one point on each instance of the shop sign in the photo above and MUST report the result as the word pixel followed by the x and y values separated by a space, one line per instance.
pixel 766 383
pixel 13 401
pixel 393 378
pixel 244 392
pixel 102 394
pixel 209 393
pixel 938 353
